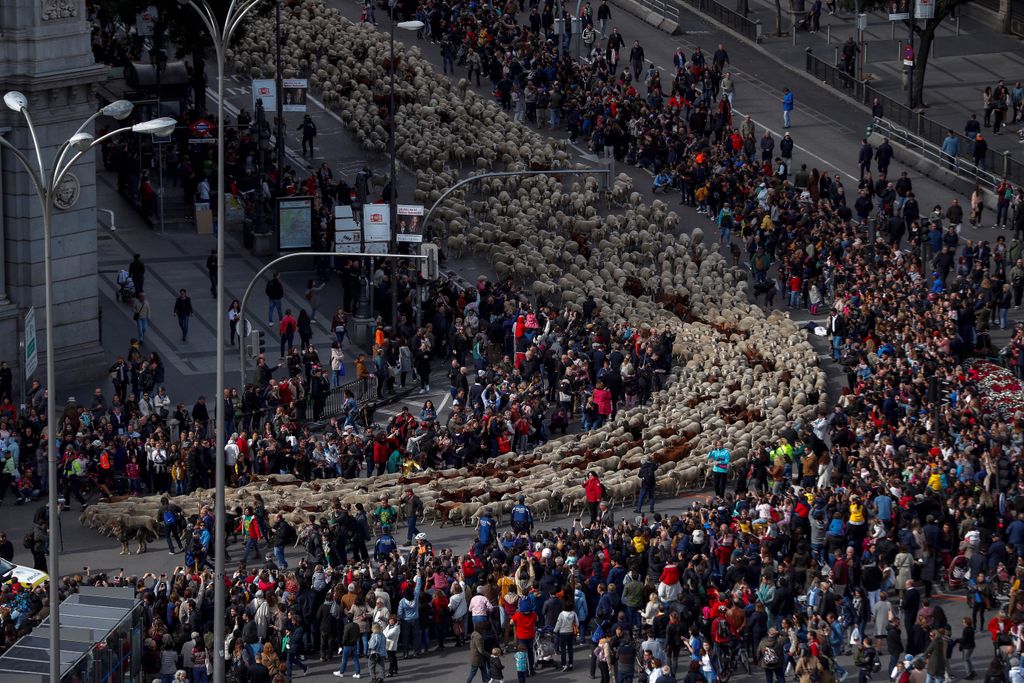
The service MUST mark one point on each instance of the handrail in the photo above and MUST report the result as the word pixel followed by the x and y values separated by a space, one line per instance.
pixel 932 152
pixel 995 161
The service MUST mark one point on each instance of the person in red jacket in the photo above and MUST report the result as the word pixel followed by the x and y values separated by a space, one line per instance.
pixel 380 452
pixel 249 525
pixel 594 492
pixel 525 625
pixel 1000 625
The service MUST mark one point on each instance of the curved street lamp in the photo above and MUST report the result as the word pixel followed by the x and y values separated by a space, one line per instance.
pixel 412 25
pixel 220 35
pixel 45 182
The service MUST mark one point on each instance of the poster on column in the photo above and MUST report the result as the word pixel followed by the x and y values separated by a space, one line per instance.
pixel 924 9
pixel 295 91
pixel 346 231
pixel 899 10
pixel 264 89
pixel 377 228
pixel 145 21
pixel 295 220
pixel 410 223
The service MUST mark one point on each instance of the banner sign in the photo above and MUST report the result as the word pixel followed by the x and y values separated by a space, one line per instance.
pixel 410 223
pixel 145 21
pixel 264 89
pixel 899 10
pixel 295 92
pixel 377 222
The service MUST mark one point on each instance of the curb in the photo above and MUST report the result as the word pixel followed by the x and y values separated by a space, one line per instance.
pixel 652 18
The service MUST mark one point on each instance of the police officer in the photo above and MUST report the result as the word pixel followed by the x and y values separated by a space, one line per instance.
pixel 385 544
pixel 487 527
pixel 522 517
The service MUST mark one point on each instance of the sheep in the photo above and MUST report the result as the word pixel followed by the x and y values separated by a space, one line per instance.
pixel 547 233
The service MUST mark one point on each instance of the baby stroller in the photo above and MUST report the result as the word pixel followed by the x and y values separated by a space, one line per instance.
pixel 544 649
pixel 804 24
pixel 125 286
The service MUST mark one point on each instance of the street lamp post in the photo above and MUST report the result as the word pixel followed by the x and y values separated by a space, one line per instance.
pixel 220 35
pixel 45 184
pixel 393 198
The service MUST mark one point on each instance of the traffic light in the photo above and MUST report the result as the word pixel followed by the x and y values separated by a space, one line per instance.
pixel 257 344
pixel 869 130
pixel 428 266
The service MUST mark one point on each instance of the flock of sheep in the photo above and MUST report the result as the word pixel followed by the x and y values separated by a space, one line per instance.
pixel 738 375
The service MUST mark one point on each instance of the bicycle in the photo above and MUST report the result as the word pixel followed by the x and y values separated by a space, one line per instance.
pixel 731 659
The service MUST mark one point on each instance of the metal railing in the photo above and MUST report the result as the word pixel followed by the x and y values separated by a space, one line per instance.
pixel 933 153
pixel 916 123
pixel 728 17
pixel 364 391
pixel 667 9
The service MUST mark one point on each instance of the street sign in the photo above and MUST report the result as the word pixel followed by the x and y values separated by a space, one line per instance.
pixel 31 350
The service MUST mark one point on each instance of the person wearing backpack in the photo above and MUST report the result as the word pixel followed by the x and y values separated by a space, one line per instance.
pixel 867 662
pixel 771 657
pixel 648 470
pixel 284 535
pixel 171 516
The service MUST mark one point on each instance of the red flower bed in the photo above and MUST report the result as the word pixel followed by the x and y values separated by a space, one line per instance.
pixel 1001 392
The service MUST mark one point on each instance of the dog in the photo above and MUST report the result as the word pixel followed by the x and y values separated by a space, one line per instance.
pixel 125 530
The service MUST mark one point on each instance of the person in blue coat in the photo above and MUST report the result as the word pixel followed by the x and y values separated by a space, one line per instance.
pixel 522 516
pixel 787 107
pixel 487 526
pixel 386 544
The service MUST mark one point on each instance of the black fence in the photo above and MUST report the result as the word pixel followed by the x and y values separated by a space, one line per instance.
pixel 996 162
pixel 363 390
pixel 728 17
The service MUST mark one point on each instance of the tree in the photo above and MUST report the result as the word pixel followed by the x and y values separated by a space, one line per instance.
pixel 924 29
pixel 181 27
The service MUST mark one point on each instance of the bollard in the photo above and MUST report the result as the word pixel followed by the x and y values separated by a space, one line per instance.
pixel 828 34
pixel 892 30
pixel 899 51
pixel 837 56
pixel 957 24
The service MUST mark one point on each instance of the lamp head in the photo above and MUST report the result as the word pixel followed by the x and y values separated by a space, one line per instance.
pixel 161 126
pixel 118 110
pixel 183 3
pixel 413 25
pixel 15 101
pixel 81 141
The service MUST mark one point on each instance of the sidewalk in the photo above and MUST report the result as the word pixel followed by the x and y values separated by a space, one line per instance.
pixel 959 69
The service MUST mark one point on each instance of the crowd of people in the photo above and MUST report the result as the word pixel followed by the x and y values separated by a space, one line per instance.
pixel 835 539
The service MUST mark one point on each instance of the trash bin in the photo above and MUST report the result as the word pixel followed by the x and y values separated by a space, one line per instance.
pixel 360 331
pixel 263 244
pixel 905 77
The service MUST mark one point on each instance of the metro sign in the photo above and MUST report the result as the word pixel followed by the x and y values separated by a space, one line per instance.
pixel 202 128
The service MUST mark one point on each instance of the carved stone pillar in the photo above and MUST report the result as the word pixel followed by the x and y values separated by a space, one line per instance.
pixel 47 56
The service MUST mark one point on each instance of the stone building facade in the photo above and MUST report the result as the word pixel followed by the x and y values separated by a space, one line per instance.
pixel 46 55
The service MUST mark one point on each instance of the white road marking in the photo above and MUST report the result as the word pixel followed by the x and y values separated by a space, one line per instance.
pixel 796 146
